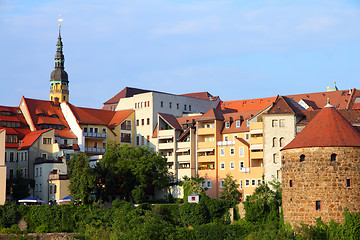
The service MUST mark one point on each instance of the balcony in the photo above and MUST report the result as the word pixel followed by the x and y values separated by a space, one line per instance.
pixel 169 145
pixel 206 131
pixel 257 155
pixel 126 127
pixel 125 140
pixel 226 143
pixel 207 166
pixel 257 147
pixel 245 170
pixel 184 144
pixel 206 145
pixel 204 158
pixel 95 150
pixel 170 158
pixel 183 158
pixel 94 135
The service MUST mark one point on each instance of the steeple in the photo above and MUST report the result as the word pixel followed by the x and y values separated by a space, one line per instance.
pixel 59 78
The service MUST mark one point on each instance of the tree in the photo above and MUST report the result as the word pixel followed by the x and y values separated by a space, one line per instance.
pixel 191 185
pixel 131 170
pixel 83 178
pixel 19 186
pixel 230 189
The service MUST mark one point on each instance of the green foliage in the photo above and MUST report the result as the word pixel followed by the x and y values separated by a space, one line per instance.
pixel 131 170
pixel 230 189
pixel 9 215
pixel 262 206
pixel 83 178
pixel 18 187
pixel 191 185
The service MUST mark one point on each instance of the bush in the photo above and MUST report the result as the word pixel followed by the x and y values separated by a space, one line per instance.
pixel 9 215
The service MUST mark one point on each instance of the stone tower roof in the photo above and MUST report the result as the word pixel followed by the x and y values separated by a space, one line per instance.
pixel 328 129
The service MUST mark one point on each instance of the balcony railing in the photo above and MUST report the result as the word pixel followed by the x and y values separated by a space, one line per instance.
pixel 125 140
pixel 95 150
pixel 94 135
pixel 245 170
pixel 225 143
pixel 126 127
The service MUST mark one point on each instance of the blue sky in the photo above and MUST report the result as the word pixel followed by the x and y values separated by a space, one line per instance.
pixel 236 49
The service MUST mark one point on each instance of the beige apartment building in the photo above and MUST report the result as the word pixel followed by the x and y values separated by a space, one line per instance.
pixel 2 167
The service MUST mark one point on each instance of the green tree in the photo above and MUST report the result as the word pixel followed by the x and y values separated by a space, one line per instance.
pixel 191 185
pixel 83 178
pixel 131 170
pixel 18 187
pixel 230 189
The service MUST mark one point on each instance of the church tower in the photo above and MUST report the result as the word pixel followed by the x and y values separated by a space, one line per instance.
pixel 59 84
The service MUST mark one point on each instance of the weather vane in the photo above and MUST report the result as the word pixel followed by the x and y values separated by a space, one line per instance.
pixel 60 20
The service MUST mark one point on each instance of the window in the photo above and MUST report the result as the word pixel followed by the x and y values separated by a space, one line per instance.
pixel 161 104
pixel 46 140
pixel 302 158
pixel 148 139
pixel 237 123
pixel 148 103
pixel 44 156
pixel 222 183
pixel 247 183
pixel 104 130
pixel 274 123
pixel 253 182
pixel 177 106
pixel 282 142
pixel 227 124
pixel 333 157
pixel 54 189
pixel 137 140
pixel 348 183
pixel 40 187
pixel 95 145
pixel 185 107
pixel 317 205
pixel 148 121
pixel 36 172
pixel 169 104
pixel 85 129
pixel 222 166
pixel 91 129
pixel 241 164
pixel 259 182
pixel 137 122
pixel 275 142
pixel 96 130
pixel 226 138
pixel 247 123
pixel 282 123
pixel 247 136
pixel 203 184
pixel 142 122
pixel 189 107
pixel 232 151
pixel 36 187
pixel 142 140
pixel 275 158
pixel 12 156
pixel 290 183
pixel 240 184
pixel 208 184
pixel 241 151
pixel 222 152
pixel 232 165
pixel 50 190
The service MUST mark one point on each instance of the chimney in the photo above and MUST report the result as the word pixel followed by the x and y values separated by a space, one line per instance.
pixel 56 101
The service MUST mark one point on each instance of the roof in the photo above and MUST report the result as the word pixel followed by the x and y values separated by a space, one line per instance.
pixel 285 105
pixel 171 120
pixel 328 129
pixel 99 116
pixel 39 113
pixel 31 137
pixel 126 92
pixel 213 114
pixel 188 119
pixel 200 95
pixel 243 141
pixel 248 104
pixel 242 116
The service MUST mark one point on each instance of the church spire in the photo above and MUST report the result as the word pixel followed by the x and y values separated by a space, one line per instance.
pixel 59 78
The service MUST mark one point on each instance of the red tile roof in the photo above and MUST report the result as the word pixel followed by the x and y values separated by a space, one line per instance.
pixel 171 120
pixel 31 137
pixel 213 114
pixel 248 104
pixel 285 105
pixel 328 129
pixel 39 113
pixel 242 116
pixel 188 119
pixel 99 116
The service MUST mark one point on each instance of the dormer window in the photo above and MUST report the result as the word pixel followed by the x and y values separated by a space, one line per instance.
pixel 237 123
pixel 247 123
pixel 227 124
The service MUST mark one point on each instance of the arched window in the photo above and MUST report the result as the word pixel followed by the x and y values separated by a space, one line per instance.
pixel 275 142
pixel 282 142
pixel 333 157
pixel 302 158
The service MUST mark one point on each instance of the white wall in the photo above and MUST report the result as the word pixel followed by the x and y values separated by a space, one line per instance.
pixel 73 124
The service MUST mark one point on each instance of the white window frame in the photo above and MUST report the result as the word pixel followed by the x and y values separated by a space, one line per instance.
pixel 241 164
pixel 232 165
pixel 237 123
pixel 247 136
pixel 241 151
pixel 232 151
pixel 253 182
pixel 227 125
pixel 247 123
pixel 247 182
pixel 222 166
pixel 208 184
pixel 222 183
pixel 222 152
pixel 202 184
pixel 259 181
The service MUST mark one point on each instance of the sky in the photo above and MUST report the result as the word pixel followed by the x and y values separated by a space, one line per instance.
pixel 236 49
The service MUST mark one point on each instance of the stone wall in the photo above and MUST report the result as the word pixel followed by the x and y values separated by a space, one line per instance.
pixel 318 178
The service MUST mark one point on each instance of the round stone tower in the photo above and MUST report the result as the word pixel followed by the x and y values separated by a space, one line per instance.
pixel 321 170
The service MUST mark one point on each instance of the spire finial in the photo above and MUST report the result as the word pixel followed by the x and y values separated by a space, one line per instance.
pixel 60 20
